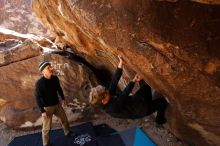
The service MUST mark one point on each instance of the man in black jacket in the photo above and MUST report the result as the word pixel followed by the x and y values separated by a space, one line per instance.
pixel 46 93
pixel 122 105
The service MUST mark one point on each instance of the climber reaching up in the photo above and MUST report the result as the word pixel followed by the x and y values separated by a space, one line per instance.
pixel 122 105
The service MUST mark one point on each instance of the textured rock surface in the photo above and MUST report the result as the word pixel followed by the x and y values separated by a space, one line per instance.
pixel 8 36
pixel 207 1
pixel 19 72
pixel 174 45
pixel 19 52
pixel 17 15
pixel 214 2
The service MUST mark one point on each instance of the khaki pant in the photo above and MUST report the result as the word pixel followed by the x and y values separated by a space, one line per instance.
pixel 59 112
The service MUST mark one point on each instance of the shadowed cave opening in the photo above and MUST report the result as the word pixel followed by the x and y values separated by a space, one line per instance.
pixel 103 75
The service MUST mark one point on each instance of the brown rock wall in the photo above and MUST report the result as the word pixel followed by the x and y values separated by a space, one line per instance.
pixel 175 46
pixel 17 15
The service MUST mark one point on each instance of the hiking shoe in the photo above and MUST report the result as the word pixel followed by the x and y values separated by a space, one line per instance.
pixel 161 120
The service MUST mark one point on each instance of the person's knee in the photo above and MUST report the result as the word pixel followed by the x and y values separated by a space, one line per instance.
pixel 160 103
pixel 46 131
pixel 163 103
pixel 156 95
pixel 46 127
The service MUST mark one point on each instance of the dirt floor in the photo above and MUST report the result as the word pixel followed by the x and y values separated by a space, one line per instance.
pixel 160 135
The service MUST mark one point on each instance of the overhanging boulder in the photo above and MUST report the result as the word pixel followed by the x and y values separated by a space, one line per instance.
pixel 174 45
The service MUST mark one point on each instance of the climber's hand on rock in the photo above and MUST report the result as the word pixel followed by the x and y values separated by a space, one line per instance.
pixel 120 61
pixel 137 78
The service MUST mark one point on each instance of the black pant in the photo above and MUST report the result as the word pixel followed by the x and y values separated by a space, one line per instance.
pixel 142 103
pixel 136 106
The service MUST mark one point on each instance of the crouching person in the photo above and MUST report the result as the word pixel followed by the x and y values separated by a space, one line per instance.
pixel 122 105
pixel 46 93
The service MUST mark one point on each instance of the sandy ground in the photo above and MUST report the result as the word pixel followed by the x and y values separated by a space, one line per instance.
pixel 160 135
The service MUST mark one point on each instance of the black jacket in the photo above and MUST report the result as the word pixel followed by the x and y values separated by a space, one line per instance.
pixel 46 92
pixel 122 105
pixel 119 101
